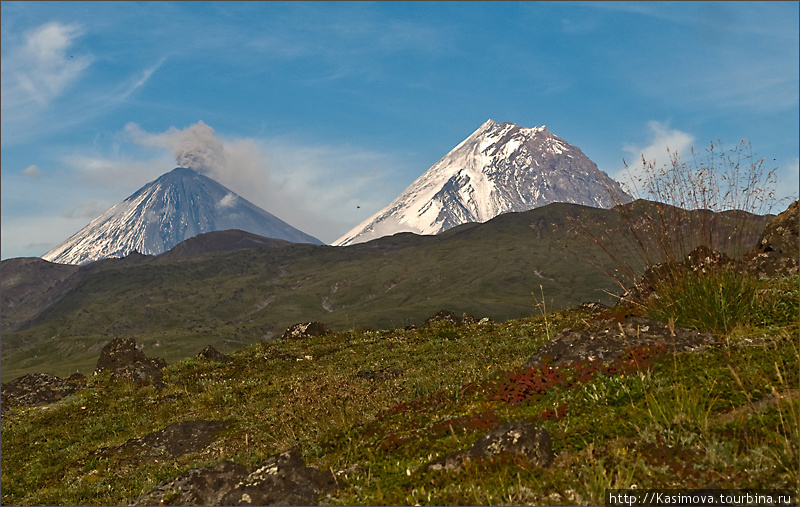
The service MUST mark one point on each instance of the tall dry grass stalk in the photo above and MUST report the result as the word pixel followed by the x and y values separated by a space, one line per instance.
pixel 715 200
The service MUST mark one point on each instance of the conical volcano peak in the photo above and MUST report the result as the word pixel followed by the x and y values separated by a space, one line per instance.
pixel 499 168
pixel 176 206
pixel 184 171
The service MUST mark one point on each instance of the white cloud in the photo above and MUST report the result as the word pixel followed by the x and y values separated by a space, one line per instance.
pixel 789 180
pixel 227 201
pixel 87 209
pixel 42 67
pixel 663 143
pixel 141 80
pixel 121 173
pixel 32 171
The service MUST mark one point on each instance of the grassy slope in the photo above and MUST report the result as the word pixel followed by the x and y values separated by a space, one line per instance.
pixel 233 299
pixel 693 420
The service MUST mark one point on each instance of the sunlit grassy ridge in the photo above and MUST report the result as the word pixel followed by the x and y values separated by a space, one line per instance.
pixel 725 417
pixel 174 308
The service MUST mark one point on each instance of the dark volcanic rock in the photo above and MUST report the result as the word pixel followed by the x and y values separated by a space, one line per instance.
pixel 140 373
pixel 519 438
pixel 175 440
pixel 700 260
pixel 198 486
pixel 282 479
pixel 451 317
pixel 121 352
pixel 38 389
pixel 778 249
pixel 306 330
pixel 214 355
pixel 607 340
pixel 129 363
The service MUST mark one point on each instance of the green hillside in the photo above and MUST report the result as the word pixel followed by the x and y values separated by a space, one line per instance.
pixel 723 417
pixel 175 307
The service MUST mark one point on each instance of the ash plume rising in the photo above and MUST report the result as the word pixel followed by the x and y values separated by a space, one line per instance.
pixel 198 147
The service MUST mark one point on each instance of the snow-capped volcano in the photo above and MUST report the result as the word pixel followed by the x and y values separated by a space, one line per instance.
pixel 177 206
pixel 501 167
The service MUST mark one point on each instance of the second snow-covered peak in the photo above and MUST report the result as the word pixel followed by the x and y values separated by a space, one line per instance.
pixel 500 167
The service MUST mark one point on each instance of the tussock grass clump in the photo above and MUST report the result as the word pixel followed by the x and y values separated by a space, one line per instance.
pixel 708 208
pixel 715 301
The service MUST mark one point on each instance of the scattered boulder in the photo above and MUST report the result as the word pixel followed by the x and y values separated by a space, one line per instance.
pixel 121 352
pixel 282 479
pixel 778 249
pixel 198 486
pixel 37 389
pixel 608 339
pixel 518 438
pixel 306 330
pixel 140 373
pixel 175 440
pixel 387 373
pixel 127 362
pixel 213 354
pixel 451 317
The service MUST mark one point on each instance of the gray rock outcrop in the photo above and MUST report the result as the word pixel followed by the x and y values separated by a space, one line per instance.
pixel 213 354
pixel 37 389
pixel 306 330
pixel 282 479
pixel 778 249
pixel 608 339
pixel 127 362
pixel 518 438
pixel 175 440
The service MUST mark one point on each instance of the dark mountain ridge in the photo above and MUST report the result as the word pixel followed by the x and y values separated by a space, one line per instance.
pixel 237 297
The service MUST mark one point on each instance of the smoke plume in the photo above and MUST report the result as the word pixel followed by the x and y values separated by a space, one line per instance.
pixel 198 147
pixel 238 163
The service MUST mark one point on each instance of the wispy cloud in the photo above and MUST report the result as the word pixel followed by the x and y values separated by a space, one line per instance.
pixel 789 177
pixel 662 142
pixel 32 171
pixel 140 80
pixel 46 85
pixel 41 67
pixel 87 210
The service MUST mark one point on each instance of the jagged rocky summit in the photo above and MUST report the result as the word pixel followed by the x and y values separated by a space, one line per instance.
pixel 177 206
pixel 501 167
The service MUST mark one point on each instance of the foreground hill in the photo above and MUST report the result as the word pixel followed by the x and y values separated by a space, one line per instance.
pixel 235 298
pixel 397 417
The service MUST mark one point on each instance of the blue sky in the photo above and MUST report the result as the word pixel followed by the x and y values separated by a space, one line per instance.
pixel 322 113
